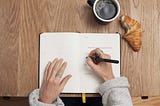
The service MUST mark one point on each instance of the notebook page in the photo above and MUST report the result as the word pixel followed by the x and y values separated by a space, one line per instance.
pixel 110 44
pixel 61 45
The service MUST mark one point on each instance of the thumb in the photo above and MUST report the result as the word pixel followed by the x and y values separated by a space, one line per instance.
pixel 91 63
pixel 64 81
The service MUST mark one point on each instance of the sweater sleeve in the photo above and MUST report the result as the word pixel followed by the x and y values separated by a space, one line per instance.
pixel 115 92
pixel 34 96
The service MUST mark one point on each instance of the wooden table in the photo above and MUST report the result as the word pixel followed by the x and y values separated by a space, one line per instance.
pixel 21 21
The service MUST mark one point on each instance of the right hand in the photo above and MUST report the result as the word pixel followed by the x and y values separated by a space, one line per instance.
pixel 103 69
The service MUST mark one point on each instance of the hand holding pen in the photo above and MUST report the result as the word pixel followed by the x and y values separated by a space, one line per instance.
pixel 103 69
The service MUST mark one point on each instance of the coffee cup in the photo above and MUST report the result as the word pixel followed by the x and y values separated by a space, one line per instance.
pixel 105 11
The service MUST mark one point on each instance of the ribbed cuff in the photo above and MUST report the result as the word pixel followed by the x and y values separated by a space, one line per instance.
pixel 121 82
pixel 34 96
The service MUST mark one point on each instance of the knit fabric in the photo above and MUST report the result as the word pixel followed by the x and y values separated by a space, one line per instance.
pixel 114 93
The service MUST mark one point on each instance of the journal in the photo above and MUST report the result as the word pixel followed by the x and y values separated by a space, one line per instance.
pixel 74 48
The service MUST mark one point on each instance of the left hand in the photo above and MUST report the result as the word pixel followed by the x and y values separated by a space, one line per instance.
pixel 52 84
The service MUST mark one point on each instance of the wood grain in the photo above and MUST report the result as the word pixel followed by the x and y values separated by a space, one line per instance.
pixel 9 35
pixel 142 68
pixel 34 22
pixel 22 20
pixel 151 101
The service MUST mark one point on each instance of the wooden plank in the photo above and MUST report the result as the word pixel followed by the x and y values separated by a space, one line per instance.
pixel 9 35
pixel 151 49
pixel 28 48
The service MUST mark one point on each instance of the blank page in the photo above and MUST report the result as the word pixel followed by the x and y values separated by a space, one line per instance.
pixel 61 45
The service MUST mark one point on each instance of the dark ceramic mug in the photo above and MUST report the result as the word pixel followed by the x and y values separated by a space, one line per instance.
pixel 105 11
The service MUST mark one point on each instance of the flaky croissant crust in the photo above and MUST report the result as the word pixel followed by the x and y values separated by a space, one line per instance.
pixel 133 32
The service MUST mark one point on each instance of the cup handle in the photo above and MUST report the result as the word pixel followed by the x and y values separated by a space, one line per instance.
pixel 90 2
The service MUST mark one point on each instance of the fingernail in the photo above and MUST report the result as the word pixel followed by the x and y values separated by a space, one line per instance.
pixel 70 75
pixel 87 58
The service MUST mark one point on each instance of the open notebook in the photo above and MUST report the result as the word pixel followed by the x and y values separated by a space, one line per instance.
pixel 73 48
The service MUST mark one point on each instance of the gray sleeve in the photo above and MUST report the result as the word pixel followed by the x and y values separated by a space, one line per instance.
pixel 115 92
pixel 34 96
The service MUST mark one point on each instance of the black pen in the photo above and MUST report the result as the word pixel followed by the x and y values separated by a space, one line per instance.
pixel 97 59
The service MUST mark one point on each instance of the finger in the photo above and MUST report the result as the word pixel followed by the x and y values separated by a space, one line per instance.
pixel 45 75
pixel 50 68
pixel 61 70
pixel 46 69
pixel 99 52
pixel 92 53
pixel 64 81
pixel 96 52
pixel 56 68
pixel 106 56
pixel 91 63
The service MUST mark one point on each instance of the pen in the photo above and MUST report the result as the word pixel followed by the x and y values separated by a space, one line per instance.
pixel 97 59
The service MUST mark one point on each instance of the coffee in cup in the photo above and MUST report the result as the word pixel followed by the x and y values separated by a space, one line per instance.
pixel 105 10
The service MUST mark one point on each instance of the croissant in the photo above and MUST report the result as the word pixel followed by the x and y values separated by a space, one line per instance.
pixel 133 32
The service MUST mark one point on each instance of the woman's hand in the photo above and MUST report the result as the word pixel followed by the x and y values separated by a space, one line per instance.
pixel 103 69
pixel 52 84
